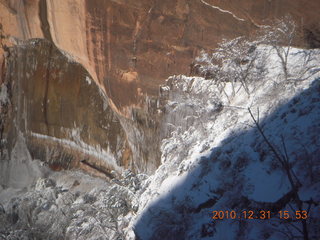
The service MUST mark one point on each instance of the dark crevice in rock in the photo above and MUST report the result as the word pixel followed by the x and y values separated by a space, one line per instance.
pixel 207 204
pixel 43 15
pixel 87 163
pixel 45 98
pixel 312 37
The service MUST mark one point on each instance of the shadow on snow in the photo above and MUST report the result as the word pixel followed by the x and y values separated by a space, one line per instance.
pixel 243 174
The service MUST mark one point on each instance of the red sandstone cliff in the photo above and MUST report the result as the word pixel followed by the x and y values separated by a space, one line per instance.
pixel 128 48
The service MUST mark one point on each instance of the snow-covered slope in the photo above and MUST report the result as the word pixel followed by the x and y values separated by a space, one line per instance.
pixel 216 159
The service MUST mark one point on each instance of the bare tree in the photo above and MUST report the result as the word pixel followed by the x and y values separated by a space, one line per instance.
pixel 235 61
pixel 239 61
pixel 295 183
pixel 282 35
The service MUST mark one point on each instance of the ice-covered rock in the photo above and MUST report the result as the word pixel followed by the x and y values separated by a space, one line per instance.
pixel 220 161
pixel 20 171
pixel 213 158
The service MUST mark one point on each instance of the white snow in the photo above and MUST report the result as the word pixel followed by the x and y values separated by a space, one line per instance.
pixel 212 158
pixel 199 158
pixel 20 171
pixel 223 11
pixel 79 145
pixel 88 80
pixel 266 187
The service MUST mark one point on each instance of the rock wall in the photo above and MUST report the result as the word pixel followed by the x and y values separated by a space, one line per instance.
pixel 65 117
pixel 126 49
pixel 130 47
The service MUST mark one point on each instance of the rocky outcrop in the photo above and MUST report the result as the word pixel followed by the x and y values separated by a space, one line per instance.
pixel 130 47
pixel 126 49
pixel 64 115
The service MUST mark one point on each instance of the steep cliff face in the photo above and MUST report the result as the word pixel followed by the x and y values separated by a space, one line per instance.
pixel 130 47
pixel 126 49
pixel 65 117
pixel 79 83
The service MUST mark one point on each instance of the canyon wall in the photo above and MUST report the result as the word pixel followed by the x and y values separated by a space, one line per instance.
pixel 66 119
pixel 91 86
pixel 130 47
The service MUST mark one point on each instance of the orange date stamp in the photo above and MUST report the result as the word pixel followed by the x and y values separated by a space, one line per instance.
pixel 259 215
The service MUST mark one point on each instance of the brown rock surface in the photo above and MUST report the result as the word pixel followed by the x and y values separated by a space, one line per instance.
pixel 154 39
pixel 63 114
pixel 66 118
pixel 128 48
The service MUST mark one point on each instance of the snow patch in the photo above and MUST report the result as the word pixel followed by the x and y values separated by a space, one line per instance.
pixel 88 80
pixel 213 150
pixel 20 171
pixel 223 11
pixel 79 145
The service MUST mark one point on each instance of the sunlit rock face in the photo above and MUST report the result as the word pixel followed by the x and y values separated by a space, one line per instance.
pixel 64 115
pixel 125 49
pixel 67 119
pixel 130 47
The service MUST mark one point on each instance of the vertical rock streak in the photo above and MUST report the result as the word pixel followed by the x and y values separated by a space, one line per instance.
pixel 43 15
pixel 47 85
